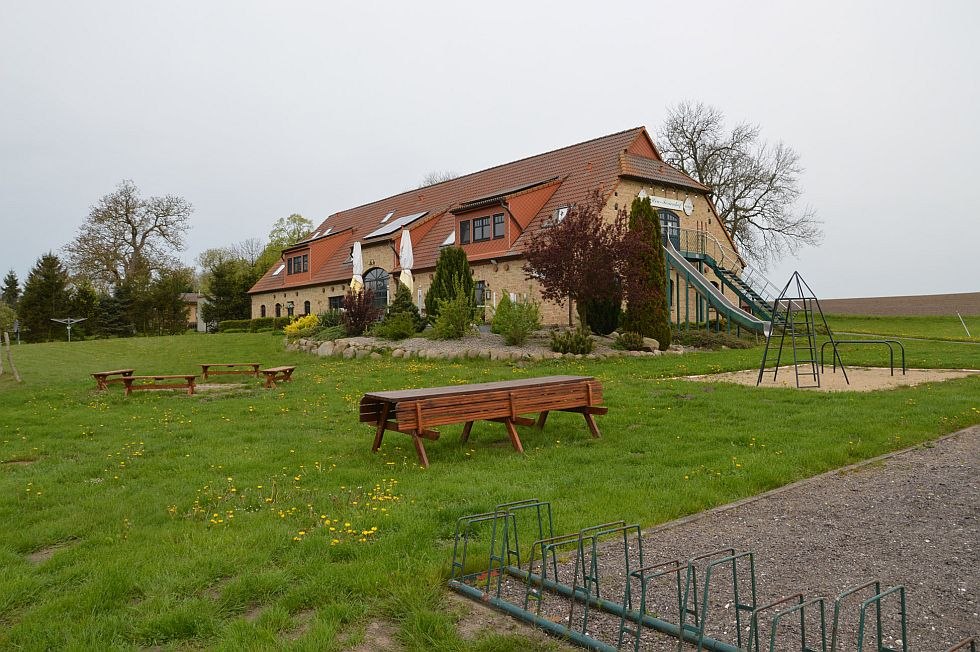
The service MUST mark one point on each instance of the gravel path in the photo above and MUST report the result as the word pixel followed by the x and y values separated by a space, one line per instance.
pixel 911 518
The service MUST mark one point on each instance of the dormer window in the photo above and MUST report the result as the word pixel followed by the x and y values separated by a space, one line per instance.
pixel 298 264
pixel 481 229
pixel 464 232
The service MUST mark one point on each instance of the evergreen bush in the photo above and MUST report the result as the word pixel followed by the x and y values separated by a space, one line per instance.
pixel 578 340
pixel 602 315
pixel 333 317
pixel 452 276
pixel 398 326
pixel 647 312
pixel 629 341
pixel 403 304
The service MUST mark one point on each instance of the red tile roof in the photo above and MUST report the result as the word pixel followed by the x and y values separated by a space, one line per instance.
pixel 591 165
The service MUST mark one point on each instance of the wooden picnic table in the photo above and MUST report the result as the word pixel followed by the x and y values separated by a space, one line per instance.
pixel 102 379
pixel 277 374
pixel 416 412
pixel 231 368
pixel 137 383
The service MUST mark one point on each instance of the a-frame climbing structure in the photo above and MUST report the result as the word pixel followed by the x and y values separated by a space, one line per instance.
pixel 794 317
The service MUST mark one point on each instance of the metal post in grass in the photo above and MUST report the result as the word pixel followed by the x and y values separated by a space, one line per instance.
pixel 10 356
pixel 964 324
pixel 69 322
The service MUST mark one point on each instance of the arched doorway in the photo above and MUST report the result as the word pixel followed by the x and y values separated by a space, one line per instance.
pixel 670 227
pixel 376 280
pixel 262 310
pixel 278 310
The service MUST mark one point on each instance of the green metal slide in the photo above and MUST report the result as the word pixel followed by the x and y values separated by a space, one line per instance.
pixel 714 297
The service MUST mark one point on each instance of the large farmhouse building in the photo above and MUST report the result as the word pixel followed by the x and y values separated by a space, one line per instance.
pixel 492 215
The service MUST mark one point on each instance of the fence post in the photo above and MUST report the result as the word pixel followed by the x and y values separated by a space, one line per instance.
pixel 10 356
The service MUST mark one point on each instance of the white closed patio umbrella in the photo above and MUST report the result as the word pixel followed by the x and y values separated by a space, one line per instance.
pixel 357 280
pixel 406 259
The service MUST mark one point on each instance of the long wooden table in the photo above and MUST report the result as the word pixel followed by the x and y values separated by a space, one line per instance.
pixel 416 412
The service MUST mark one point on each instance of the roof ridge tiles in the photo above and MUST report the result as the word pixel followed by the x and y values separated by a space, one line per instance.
pixel 492 167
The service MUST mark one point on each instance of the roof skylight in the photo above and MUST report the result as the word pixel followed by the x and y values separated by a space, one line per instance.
pixel 450 239
pixel 395 224
pixel 278 270
pixel 387 217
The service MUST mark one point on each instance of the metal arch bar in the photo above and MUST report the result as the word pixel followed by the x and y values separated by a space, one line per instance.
pixel 888 343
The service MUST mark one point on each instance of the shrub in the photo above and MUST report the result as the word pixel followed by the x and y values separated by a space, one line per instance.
pixel 330 333
pixel 330 318
pixel 395 327
pixel 280 323
pixel 602 315
pixel 629 341
pixel 647 311
pixel 402 303
pixel 359 312
pixel 452 277
pixel 517 321
pixel 501 313
pixel 577 340
pixel 234 330
pixel 239 325
pixel 455 318
pixel 303 327
pixel 705 339
pixel 260 324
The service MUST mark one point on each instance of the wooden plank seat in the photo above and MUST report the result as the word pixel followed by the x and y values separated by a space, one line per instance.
pixel 137 383
pixel 102 378
pixel 417 411
pixel 277 374
pixel 250 368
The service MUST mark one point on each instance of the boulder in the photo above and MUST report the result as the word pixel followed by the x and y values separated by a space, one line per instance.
pixel 361 353
pixel 651 344
pixel 375 355
pixel 325 349
pixel 348 353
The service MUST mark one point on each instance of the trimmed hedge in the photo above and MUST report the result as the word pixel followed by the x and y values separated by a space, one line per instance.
pixel 256 325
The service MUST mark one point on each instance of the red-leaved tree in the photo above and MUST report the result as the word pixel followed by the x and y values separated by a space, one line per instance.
pixel 580 258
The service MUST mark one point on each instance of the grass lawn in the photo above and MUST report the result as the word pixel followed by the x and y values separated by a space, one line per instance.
pixel 935 328
pixel 261 519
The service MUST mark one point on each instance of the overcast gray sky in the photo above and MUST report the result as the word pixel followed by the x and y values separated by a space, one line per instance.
pixel 252 111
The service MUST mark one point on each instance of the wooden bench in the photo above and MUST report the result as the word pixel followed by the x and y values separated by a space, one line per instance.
pixel 137 383
pixel 277 374
pixel 231 368
pixel 417 411
pixel 102 379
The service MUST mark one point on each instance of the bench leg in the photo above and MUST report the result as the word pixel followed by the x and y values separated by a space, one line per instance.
pixel 541 419
pixel 590 421
pixel 380 433
pixel 420 449
pixel 514 438
pixel 190 388
pixel 466 431
pixel 269 383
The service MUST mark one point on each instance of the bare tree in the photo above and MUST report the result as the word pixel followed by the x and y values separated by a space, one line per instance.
pixel 435 177
pixel 249 250
pixel 126 234
pixel 756 185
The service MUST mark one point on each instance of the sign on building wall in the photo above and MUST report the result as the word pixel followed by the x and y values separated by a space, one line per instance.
pixel 685 205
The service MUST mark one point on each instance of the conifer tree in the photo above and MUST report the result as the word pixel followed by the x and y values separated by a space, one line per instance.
pixel 45 297
pixel 403 303
pixel 647 312
pixel 10 293
pixel 452 275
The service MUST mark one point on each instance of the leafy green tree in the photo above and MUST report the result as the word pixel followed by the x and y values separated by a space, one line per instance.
pixel 127 235
pixel 7 318
pixel 647 312
pixel 10 293
pixel 452 275
pixel 285 231
pixel 45 297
